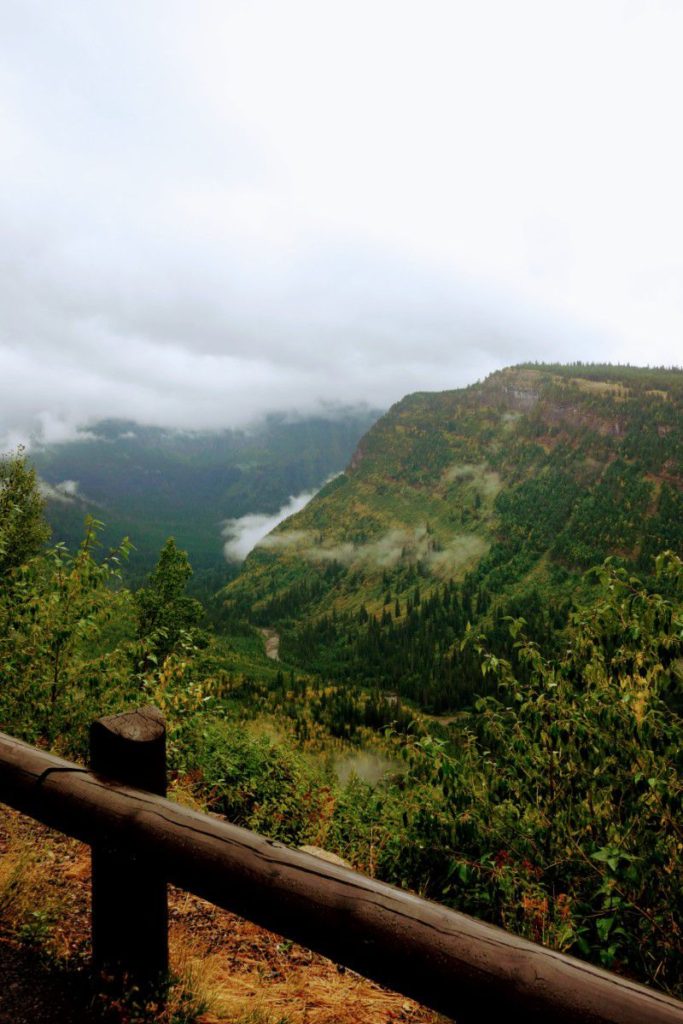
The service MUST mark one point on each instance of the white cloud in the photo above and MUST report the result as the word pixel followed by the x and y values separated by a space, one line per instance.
pixel 384 552
pixel 244 534
pixel 214 210
pixel 65 491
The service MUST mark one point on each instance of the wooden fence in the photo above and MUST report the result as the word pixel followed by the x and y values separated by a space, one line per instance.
pixel 468 970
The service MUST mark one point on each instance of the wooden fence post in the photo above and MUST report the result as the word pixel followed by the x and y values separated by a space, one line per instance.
pixel 129 897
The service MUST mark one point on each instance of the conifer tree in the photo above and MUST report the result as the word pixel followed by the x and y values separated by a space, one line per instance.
pixel 23 529
pixel 167 617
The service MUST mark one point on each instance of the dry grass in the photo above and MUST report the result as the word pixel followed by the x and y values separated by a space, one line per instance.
pixel 600 387
pixel 292 987
pixel 16 884
pixel 228 970
pixel 31 904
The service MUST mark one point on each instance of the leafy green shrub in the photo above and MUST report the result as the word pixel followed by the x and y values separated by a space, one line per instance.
pixel 559 812
pixel 58 671
pixel 257 783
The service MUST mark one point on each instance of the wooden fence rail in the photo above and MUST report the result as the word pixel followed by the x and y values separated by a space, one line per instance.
pixel 468 970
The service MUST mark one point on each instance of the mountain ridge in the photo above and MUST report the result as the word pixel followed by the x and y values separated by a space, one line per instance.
pixel 505 491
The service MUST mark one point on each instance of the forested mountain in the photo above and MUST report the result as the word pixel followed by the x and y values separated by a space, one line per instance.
pixel 467 507
pixel 552 807
pixel 150 483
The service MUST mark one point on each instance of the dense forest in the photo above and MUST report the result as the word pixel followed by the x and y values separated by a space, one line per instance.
pixel 468 508
pixel 148 482
pixel 550 800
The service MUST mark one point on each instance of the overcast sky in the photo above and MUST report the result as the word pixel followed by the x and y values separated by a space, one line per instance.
pixel 209 210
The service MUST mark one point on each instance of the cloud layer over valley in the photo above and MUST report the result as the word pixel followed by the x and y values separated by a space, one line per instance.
pixel 243 534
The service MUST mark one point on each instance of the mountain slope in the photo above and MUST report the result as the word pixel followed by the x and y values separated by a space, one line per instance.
pixel 466 506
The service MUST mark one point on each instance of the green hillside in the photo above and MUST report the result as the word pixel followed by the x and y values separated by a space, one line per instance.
pixel 552 808
pixel 150 483
pixel 469 506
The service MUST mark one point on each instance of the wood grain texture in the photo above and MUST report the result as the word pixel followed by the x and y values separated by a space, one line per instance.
pixel 446 960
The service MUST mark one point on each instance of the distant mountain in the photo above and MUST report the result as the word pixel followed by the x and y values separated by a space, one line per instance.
pixel 470 506
pixel 150 483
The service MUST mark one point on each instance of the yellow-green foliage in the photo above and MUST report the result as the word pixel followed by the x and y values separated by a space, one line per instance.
pixel 512 486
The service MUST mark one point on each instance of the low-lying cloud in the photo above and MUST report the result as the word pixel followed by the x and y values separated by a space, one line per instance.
pixel 364 764
pixel 65 492
pixel 384 552
pixel 243 534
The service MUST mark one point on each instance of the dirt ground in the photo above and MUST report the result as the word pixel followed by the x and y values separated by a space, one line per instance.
pixel 228 970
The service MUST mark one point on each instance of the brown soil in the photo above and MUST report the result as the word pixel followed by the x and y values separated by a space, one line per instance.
pixel 243 973
pixel 32 993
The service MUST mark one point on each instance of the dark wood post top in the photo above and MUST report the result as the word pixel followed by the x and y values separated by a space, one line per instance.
pixel 131 748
